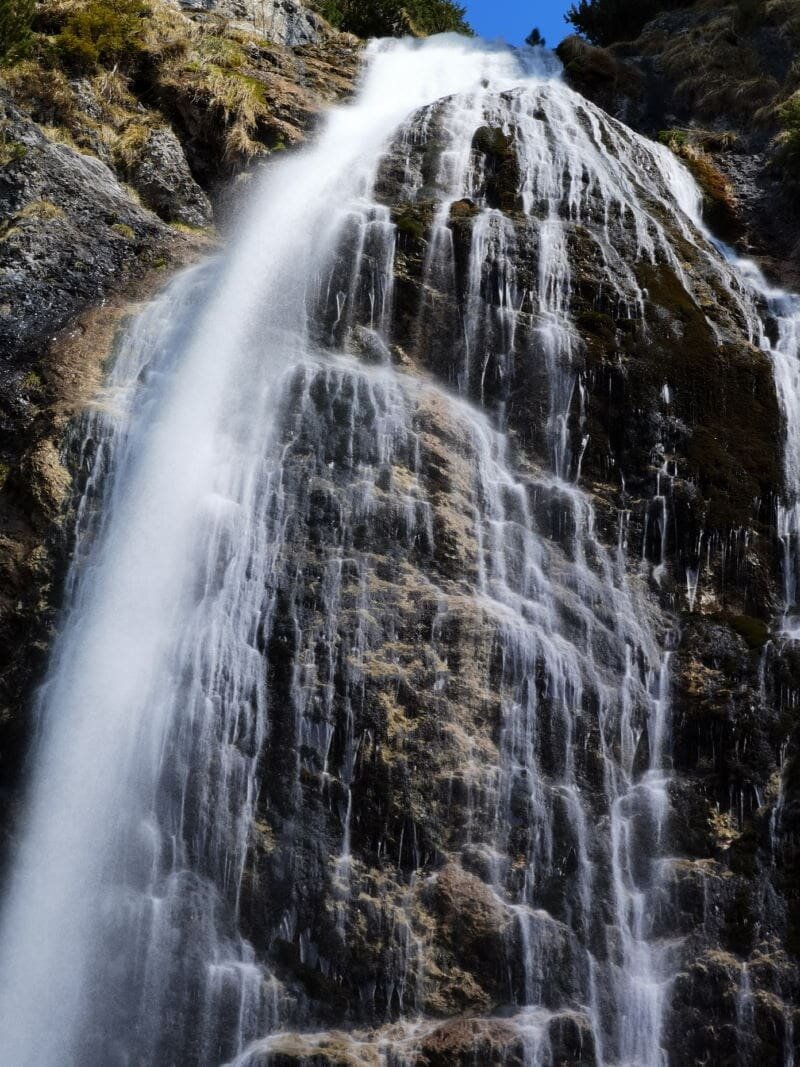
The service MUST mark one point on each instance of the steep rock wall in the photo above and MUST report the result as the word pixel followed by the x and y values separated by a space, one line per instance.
pixel 387 873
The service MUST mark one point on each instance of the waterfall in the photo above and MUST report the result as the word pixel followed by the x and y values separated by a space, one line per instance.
pixel 297 513
pixel 775 325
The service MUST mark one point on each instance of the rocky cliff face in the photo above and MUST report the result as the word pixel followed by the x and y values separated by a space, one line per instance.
pixel 284 22
pixel 718 83
pixel 536 444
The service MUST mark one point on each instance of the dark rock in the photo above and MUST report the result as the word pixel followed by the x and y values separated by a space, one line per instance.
pixel 162 178
pixel 69 232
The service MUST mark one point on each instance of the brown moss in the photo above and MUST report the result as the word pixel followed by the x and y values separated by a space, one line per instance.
pixel 463 209
pixel 465 1041
pixel 720 206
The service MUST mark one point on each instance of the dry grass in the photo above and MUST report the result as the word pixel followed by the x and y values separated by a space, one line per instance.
pixel 40 209
pixel 168 32
pixel 44 91
pixel 215 71
pixel 127 145
pixel 34 210
pixel 716 70
pixel 692 146
pixel 239 144
pixel 206 62
pixel 787 143
pixel 11 151
pixel 718 140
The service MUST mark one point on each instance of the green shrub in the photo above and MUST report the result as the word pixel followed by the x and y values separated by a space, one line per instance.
pixel 674 139
pixel 102 33
pixel 437 16
pixel 16 18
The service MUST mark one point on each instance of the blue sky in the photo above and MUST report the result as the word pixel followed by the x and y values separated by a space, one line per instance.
pixel 514 19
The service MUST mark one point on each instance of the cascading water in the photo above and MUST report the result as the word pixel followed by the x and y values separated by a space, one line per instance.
pixel 775 325
pixel 277 513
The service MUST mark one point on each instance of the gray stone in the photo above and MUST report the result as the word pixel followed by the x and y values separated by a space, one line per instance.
pixel 162 178
pixel 69 228
pixel 284 22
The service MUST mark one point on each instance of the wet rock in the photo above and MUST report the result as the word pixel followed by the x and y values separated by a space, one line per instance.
pixel 74 234
pixel 70 235
pixel 472 928
pixel 500 167
pixel 473 919
pixel 572 1041
pixel 386 813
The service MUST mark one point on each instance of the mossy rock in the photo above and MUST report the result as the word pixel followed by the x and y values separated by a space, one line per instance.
pixel 755 632
pixel 491 141
pixel 124 231
pixel 11 152
pixel 410 227
pixel 719 388
pixel 597 324
pixel 413 220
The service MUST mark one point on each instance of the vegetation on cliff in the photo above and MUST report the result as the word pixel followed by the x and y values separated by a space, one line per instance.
pixel 720 85
pixel 606 21
pixel 392 18
pixel 101 75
